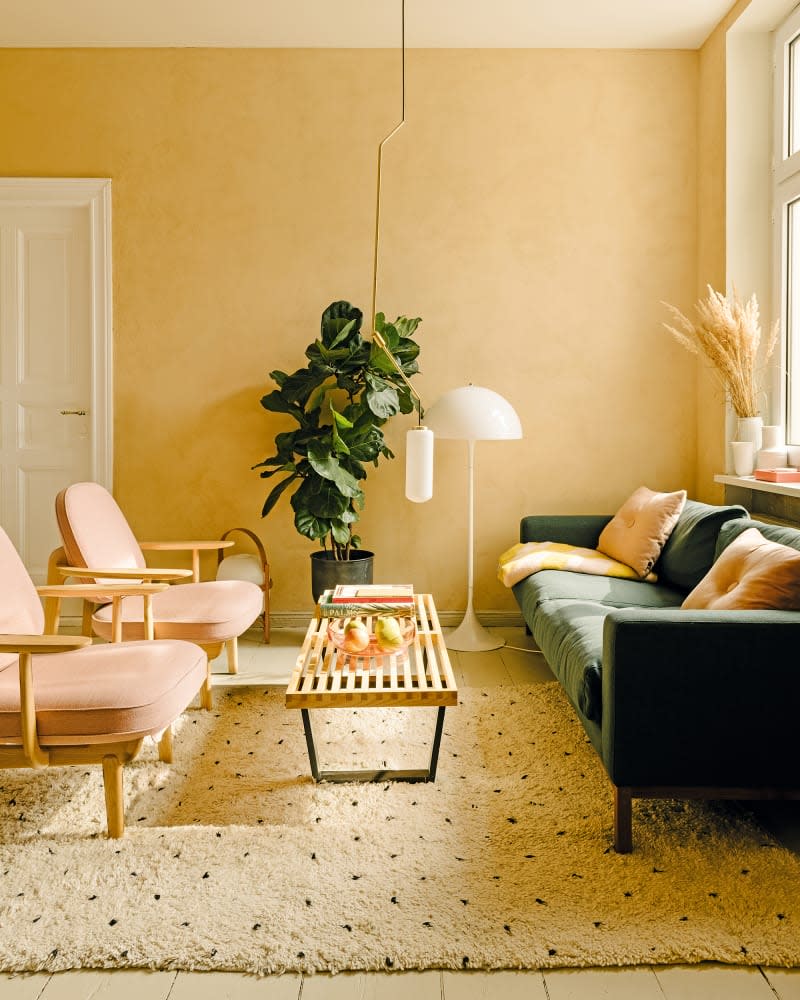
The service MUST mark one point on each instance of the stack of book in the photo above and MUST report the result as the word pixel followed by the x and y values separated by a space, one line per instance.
pixel 348 600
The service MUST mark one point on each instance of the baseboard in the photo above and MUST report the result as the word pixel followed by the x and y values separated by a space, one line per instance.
pixel 299 619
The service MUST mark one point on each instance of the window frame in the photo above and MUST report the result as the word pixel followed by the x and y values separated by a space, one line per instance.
pixel 785 194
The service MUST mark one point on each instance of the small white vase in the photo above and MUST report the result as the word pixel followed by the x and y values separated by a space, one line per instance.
pixel 750 429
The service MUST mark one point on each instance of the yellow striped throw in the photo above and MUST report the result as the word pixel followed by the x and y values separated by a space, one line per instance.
pixel 525 558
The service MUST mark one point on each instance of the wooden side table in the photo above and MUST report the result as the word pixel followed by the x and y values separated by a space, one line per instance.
pixel 419 677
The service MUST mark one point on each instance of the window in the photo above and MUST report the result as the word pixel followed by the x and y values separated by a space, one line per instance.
pixel 786 210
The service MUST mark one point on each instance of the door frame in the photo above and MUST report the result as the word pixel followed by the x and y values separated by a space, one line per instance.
pixel 93 193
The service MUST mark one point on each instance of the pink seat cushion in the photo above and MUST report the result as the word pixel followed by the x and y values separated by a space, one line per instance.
pixel 105 692
pixel 214 611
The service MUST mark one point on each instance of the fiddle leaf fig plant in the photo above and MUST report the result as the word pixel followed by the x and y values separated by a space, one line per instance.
pixel 340 402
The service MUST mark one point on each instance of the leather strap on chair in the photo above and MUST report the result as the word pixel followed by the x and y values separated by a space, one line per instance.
pixel 262 555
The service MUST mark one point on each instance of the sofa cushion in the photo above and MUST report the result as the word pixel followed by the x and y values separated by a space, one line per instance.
pixel 549 585
pixel 751 574
pixel 689 551
pixel 570 635
pixel 637 532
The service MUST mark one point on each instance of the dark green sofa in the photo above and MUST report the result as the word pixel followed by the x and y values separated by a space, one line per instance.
pixel 678 704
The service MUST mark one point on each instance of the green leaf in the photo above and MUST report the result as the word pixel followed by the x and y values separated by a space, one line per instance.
pixel 339 446
pixel 381 397
pixel 340 419
pixel 327 466
pixel 276 493
pixel 312 527
pixel 340 532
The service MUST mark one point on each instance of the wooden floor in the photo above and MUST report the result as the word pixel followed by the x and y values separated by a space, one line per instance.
pixel 259 664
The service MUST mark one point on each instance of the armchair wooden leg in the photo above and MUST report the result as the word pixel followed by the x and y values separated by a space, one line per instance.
pixel 86 618
pixel 232 651
pixel 206 699
pixel 112 782
pixel 165 746
pixel 623 820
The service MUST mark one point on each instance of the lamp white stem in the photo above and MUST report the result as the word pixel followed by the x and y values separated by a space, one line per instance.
pixel 471 635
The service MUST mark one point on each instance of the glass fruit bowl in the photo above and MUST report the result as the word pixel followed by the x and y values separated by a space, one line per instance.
pixel 377 635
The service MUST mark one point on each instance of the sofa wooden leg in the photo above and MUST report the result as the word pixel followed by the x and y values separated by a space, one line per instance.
pixel 623 820
pixel 112 783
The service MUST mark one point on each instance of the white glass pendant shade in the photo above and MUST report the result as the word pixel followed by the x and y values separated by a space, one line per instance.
pixel 419 464
pixel 473 413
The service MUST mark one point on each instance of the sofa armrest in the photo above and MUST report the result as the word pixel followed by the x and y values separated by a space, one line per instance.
pixel 701 698
pixel 570 529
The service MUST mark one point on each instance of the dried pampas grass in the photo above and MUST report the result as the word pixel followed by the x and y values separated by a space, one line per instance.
pixel 728 332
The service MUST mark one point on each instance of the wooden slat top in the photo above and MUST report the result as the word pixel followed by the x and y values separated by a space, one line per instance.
pixel 325 677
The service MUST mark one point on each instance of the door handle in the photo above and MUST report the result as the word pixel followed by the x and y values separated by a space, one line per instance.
pixel 73 413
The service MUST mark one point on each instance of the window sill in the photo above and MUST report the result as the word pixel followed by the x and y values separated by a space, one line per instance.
pixel 751 483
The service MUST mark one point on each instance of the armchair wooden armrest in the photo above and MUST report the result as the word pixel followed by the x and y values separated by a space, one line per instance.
pixel 27 646
pixel 42 643
pixel 53 594
pixel 137 573
pixel 194 547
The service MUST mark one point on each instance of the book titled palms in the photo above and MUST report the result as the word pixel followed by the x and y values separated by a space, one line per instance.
pixel 347 599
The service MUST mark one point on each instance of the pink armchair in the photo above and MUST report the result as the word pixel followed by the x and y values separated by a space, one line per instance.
pixel 100 546
pixel 64 701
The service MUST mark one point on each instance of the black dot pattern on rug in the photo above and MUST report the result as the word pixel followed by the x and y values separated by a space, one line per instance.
pixel 504 861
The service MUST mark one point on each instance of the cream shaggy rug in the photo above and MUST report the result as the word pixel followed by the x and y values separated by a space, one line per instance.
pixel 235 860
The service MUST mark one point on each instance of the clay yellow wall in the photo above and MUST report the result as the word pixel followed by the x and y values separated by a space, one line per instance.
pixel 711 237
pixel 538 207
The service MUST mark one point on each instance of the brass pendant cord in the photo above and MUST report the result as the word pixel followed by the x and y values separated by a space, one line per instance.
pixel 383 142
pixel 375 335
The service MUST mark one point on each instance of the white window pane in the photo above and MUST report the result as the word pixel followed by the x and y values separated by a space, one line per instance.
pixel 793 316
pixel 793 95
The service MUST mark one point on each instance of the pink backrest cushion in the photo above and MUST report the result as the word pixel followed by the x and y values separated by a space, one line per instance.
pixel 750 574
pixel 640 528
pixel 94 530
pixel 20 608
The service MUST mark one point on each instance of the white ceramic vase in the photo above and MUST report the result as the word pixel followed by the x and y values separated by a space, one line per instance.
pixel 751 429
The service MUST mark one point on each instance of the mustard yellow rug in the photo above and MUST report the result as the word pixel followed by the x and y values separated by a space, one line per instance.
pixel 235 860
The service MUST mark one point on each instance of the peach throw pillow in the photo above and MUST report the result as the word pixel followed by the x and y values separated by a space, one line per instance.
pixel 637 532
pixel 750 574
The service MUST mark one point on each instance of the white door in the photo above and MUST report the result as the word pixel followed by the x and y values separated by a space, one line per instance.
pixel 54 381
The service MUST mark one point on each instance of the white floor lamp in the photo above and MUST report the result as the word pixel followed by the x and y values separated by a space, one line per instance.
pixel 472 414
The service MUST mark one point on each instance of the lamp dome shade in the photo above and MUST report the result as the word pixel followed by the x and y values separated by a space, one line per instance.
pixel 473 413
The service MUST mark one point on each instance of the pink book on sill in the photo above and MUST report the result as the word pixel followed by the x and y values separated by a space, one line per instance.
pixel 778 475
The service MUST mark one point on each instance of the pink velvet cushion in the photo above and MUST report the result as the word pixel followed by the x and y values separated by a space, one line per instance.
pixel 751 574
pixel 91 694
pixel 640 528
pixel 94 529
pixel 20 608
pixel 213 611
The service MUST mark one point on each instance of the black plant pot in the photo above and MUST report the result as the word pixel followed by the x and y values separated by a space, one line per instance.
pixel 327 572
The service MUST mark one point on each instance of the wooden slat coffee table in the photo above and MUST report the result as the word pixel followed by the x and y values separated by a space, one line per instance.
pixel 419 677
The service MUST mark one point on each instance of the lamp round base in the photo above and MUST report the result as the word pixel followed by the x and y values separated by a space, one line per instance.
pixel 471 636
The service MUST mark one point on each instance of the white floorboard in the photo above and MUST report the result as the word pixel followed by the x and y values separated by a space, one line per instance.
pixel 491 985
pixel 22 987
pixel 603 984
pixel 229 986
pixel 785 982
pixel 373 986
pixel 713 982
pixel 124 984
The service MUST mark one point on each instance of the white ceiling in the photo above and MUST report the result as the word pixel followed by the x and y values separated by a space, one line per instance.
pixel 361 23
